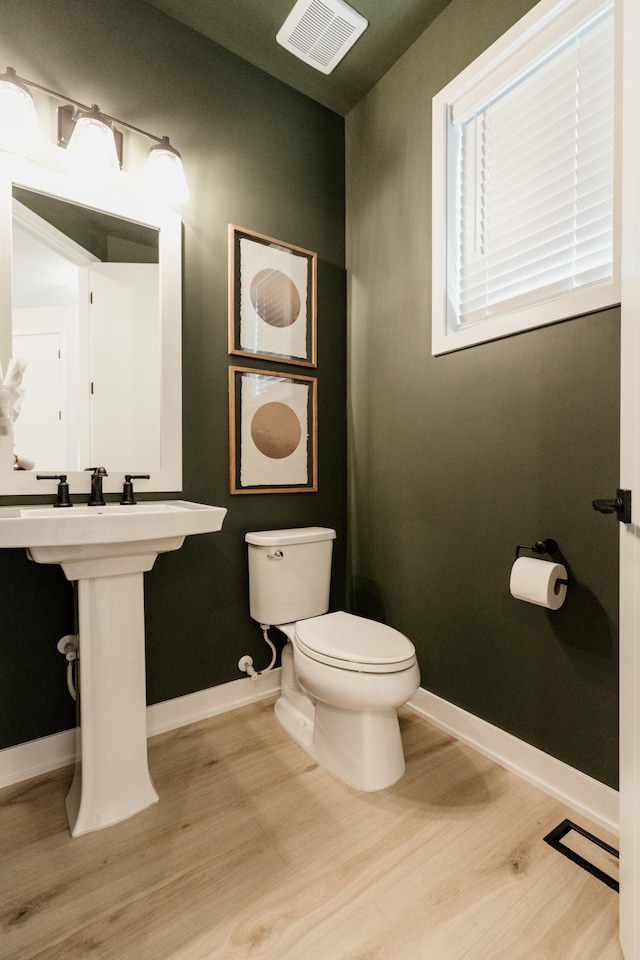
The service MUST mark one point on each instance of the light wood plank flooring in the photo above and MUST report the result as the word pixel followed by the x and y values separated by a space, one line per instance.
pixel 255 852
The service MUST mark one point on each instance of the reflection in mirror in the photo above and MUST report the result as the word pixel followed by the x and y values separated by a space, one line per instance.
pixel 90 297
pixel 86 319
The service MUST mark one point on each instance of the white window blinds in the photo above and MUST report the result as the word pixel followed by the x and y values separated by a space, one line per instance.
pixel 531 216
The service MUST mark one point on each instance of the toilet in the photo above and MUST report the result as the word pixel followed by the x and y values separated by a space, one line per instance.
pixel 343 676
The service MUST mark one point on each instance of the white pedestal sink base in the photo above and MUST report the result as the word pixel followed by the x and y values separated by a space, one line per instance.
pixel 107 549
pixel 111 780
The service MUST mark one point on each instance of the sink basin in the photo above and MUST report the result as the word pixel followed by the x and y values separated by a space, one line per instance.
pixel 106 550
pixel 34 526
pixel 103 541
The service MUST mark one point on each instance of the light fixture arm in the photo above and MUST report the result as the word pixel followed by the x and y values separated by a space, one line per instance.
pixel 12 75
pixel 129 126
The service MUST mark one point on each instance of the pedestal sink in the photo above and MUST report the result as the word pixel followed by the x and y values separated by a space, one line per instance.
pixel 107 550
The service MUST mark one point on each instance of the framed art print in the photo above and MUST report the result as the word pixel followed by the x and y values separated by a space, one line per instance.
pixel 272 299
pixel 272 432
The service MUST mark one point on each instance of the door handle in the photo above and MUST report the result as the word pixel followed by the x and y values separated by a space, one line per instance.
pixel 620 505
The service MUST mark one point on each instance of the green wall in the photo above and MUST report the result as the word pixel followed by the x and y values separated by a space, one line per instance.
pixel 457 459
pixel 261 156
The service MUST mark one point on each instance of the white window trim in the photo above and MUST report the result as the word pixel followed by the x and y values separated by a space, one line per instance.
pixel 492 71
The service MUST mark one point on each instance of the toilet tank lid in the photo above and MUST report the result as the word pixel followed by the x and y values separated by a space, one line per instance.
pixel 273 538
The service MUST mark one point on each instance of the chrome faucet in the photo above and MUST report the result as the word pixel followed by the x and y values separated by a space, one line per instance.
pixel 96 499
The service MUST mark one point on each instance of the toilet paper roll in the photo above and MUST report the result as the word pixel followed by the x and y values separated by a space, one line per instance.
pixel 536 581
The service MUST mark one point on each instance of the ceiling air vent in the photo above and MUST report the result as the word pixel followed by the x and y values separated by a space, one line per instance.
pixel 320 32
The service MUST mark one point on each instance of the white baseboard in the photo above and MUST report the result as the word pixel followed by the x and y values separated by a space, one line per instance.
pixel 172 714
pixel 37 756
pixel 578 791
pixel 30 759
pixel 582 793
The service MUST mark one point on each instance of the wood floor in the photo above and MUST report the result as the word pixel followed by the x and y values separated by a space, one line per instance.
pixel 255 852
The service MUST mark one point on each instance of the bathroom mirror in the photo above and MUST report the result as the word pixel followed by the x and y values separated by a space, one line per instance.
pixel 90 297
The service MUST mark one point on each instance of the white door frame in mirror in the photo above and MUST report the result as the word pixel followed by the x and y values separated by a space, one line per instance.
pixel 16 171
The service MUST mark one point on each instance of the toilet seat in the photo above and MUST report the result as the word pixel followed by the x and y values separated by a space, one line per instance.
pixel 349 642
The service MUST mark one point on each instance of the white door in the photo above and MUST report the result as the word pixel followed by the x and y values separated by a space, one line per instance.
pixel 40 431
pixel 630 479
pixel 125 366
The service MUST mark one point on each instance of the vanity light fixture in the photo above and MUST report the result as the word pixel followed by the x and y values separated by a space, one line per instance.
pixel 95 144
pixel 90 140
pixel 165 172
pixel 18 116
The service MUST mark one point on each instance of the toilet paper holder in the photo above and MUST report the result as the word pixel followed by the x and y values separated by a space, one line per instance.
pixel 539 547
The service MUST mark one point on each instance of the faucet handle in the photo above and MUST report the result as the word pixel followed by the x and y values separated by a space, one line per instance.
pixel 127 488
pixel 62 498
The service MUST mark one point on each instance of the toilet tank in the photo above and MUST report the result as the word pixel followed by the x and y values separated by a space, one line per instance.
pixel 289 573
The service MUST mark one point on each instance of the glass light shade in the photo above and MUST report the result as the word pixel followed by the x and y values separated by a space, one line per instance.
pixel 165 174
pixel 92 147
pixel 18 118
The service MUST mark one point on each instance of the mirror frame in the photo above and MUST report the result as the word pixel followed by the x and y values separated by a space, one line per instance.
pixel 20 172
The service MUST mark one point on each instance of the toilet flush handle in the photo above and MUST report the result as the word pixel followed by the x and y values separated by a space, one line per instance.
pixel 278 555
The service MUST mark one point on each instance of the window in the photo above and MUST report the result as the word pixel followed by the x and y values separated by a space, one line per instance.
pixel 523 179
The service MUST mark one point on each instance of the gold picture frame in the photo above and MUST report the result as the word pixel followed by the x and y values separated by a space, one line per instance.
pixel 272 299
pixel 273 432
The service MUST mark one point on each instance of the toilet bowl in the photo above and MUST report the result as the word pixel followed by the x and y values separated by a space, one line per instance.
pixel 340 703
pixel 343 676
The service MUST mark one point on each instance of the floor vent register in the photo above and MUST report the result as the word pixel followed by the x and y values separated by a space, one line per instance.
pixel 593 855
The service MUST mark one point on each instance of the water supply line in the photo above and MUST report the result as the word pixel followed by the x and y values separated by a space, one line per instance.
pixel 69 647
pixel 245 664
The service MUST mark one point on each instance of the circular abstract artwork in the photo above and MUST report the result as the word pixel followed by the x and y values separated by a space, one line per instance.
pixel 276 430
pixel 275 298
